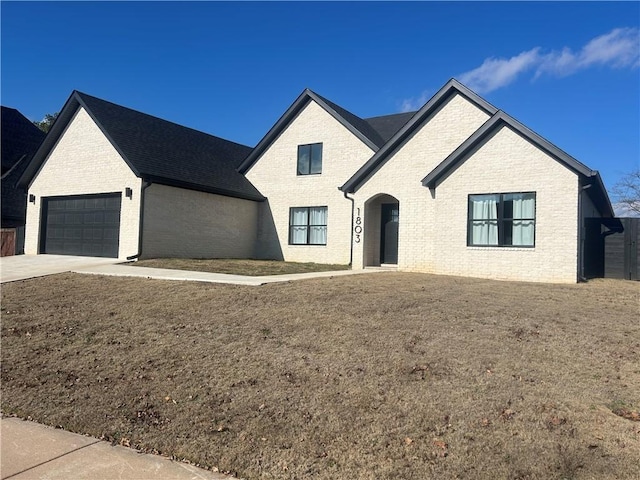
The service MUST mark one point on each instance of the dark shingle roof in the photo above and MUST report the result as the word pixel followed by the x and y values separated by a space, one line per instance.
pixel 361 125
pixel 373 132
pixel 20 140
pixel 388 125
pixel 19 137
pixel 159 150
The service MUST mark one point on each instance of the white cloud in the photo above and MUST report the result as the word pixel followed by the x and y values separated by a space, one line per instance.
pixel 413 104
pixel 619 48
pixel 498 72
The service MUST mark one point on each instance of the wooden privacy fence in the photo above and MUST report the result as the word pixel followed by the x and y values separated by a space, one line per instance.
pixel 8 242
pixel 622 251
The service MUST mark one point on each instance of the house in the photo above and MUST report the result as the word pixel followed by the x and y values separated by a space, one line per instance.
pixel 458 187
pixel 20 139
pixel 110 181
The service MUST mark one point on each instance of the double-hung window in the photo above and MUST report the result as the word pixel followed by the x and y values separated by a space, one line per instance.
pixel 502 220
pixel 308 226
pixel 310 159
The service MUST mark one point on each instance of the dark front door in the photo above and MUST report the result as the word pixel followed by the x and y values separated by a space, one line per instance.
pixel 86 225
pixel 389 231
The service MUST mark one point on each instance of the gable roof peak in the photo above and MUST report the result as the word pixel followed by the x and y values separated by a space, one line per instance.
pixel 356 125
pixel 498 120
pixel 156 149
pixel 400 137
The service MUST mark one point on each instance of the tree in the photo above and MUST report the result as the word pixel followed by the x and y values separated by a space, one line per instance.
pixel 627 192
pixel 47 122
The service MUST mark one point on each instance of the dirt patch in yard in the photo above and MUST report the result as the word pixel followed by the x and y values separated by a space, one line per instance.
pixel 237 266
pixel 385 376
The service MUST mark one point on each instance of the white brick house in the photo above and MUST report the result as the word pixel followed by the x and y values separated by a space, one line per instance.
pixel 416 187
pixel 110 181
pixel 457 187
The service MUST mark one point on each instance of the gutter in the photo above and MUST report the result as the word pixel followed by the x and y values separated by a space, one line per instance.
pixel 581 233
pixel 145 185
pixel 351 244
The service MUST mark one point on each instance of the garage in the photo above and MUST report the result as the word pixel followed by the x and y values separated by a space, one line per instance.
pixel 87 225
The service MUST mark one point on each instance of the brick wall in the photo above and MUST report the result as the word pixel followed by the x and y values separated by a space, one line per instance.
pixel 191 224
pixel 401 178
pixel 274 175
pixel 508 163
pixel 433 225
pixel 84 162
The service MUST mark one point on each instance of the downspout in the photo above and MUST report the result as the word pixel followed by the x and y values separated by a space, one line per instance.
pixel 145 185
pixel 351 244
pixel 581 229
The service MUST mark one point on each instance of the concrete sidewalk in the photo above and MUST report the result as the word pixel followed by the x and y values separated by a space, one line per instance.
pixel 30 451
pixel 166 274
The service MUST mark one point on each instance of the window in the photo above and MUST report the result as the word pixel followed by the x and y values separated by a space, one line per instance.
pixel 310 159
pixel 308 226
pixel 502 220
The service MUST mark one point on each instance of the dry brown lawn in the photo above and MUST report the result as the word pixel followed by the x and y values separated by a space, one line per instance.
pixel 381 376
pixel 237 266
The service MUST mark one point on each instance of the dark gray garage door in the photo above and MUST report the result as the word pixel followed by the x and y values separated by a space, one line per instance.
pixel 87 225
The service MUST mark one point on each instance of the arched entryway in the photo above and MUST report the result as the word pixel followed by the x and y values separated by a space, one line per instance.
pixel 382 220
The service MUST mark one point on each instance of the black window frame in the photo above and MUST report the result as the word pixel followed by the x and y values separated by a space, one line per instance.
pixel 308 225
pixel 310 147
pixel 501 220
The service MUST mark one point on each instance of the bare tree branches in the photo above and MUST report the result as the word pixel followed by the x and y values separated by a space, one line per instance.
pixel 626 192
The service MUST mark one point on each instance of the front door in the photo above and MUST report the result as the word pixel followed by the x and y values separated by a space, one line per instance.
pixel 389 232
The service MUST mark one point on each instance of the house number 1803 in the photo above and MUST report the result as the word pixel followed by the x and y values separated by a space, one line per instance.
pixel 357 230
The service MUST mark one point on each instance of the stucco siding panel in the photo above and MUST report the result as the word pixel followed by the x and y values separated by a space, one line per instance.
pixel 190 224
pixel 274 175
pixel 85 162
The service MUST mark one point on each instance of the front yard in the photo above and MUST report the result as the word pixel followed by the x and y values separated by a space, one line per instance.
pixel 236 266
pixel 385 376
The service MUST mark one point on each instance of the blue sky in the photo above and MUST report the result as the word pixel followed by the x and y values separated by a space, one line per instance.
pixel 568 70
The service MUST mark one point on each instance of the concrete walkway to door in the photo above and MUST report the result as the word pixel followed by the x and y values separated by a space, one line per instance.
pixel 21 267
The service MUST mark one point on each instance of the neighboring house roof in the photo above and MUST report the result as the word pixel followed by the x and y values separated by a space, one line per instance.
pixel 20 138
pixel 356 125
pixel 500 119
pixel 157 150
pixel 401 136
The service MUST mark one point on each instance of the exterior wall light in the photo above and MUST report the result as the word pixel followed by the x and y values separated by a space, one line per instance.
pixel 128 192
pixel 32 198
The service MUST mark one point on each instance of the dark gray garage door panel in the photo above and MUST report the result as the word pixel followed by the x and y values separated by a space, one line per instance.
pixel 87 225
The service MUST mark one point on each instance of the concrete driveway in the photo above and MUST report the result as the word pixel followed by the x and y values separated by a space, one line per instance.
pixel 21 267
